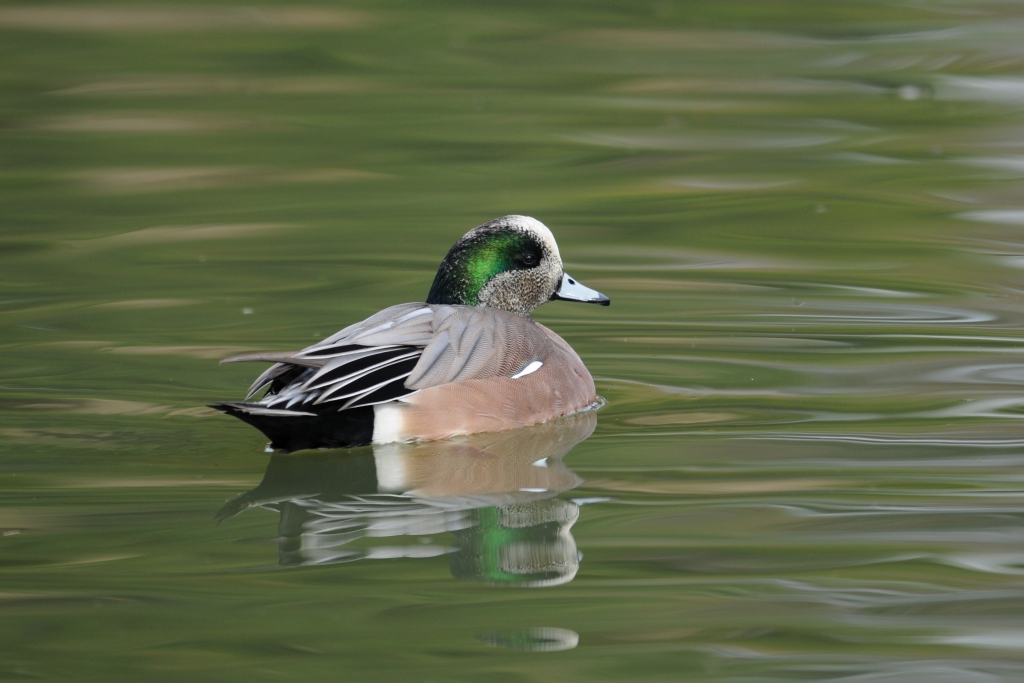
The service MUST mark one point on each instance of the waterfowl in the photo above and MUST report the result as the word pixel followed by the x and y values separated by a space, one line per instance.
pixel 467 360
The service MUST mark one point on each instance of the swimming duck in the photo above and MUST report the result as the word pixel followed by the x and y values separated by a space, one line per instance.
pixel 467 360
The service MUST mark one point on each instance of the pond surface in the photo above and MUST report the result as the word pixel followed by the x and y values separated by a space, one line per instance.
pixel 809 218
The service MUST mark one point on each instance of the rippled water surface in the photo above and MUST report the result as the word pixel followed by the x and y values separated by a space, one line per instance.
pixel 809 219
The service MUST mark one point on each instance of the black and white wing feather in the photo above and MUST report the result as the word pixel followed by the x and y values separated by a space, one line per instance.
pixel 397 352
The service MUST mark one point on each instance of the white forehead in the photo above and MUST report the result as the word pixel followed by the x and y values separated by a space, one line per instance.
pixel 540 230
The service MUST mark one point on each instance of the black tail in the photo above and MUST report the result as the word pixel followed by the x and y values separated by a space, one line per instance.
pixel 317 427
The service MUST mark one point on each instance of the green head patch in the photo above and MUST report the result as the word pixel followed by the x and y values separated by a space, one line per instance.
pixel 479 257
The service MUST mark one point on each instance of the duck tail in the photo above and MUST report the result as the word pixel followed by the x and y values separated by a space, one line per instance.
pixel 295 430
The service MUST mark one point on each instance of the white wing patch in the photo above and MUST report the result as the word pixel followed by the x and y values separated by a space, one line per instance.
pixel 533 367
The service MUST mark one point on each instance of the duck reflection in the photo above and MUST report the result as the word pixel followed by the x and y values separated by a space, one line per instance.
pixel 495 493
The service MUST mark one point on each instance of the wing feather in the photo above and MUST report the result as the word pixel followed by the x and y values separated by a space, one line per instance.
pixel 348 364
pixel 399 351
pixel 402 325
pixel 476 343
pixel 371 385
pixel 356 381
pixel 268 377
pixel 390 391
pixel 274 357
pixel 327 352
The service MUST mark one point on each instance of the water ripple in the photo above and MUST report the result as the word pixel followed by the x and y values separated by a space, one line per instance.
pixel 863 313
pixel 888 440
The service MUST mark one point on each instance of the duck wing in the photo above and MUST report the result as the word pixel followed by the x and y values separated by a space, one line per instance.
pixel 397 352
pixel 477 343
pixel 456 343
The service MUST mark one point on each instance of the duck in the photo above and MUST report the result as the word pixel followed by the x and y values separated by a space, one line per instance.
pixel 468 360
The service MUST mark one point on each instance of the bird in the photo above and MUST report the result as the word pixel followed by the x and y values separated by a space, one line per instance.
pixel 467 360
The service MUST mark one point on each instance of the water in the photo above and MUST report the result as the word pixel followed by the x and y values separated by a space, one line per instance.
pixel 810 465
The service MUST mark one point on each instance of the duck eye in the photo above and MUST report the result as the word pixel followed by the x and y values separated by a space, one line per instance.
pixel 529 259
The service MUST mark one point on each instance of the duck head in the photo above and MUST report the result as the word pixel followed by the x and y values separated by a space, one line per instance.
pixel 511 263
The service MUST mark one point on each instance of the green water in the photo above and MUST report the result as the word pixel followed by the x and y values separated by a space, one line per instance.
pixel 808 217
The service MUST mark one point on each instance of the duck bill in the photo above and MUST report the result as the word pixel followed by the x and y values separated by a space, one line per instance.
pixel 571 290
